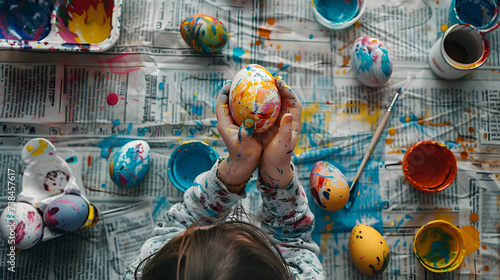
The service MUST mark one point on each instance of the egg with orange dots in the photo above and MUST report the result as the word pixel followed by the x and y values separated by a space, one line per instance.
pixel 254 95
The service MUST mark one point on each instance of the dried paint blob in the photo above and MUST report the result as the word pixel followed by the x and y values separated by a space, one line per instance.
pixel 254 96
pixel 25 20
pixel 204 33
pixel 439 246
pixel 130 164
pixel 429 166
pixel 22 224
pixel 189 160
pixel 112 99
pixel 66 213
pixel 328 186
pixel 369 250
pixel 370 62
pixel 84 22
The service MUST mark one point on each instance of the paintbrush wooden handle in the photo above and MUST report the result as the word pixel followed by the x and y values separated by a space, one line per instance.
pixel 369 151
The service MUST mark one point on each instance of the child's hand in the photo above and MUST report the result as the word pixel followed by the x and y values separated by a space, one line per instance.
pixel 279 141
pixel 244 150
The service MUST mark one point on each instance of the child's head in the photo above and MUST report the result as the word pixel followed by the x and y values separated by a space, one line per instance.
pixel 226 250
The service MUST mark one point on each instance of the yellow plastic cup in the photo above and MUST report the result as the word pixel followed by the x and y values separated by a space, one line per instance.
pixel 439 246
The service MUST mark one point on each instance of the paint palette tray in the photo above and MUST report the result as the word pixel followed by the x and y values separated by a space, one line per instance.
pixel 60 25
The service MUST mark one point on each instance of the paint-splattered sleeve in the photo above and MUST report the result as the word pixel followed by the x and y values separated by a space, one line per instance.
pixel 286 216
pixel 207 197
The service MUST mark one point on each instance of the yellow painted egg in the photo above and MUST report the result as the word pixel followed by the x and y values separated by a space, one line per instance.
pixel 328 186
pixel 369 250
pixel 254 95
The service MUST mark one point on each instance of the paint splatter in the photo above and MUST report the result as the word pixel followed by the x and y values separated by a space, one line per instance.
pixel 471 237
pixel 112 99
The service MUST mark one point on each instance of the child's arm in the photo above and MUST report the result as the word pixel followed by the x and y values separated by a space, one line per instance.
pixel 285 212
pixel 214 191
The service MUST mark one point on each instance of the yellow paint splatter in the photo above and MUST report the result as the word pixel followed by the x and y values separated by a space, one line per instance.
pixel 389 141
pixel 329 227
pixel 249 151
pixel 325 242
pixel 471 236
pixel 407 119
pixel 43 144
pixel 392 131
pixel 298 58
pixel 228 130
pixel 29 148
pixel 444 214
pixel 444 27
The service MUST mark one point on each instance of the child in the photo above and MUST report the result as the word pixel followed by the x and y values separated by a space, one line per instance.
pixel 189 244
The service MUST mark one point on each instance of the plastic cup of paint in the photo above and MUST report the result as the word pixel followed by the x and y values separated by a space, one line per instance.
pixel 439 246
pixel 338 14
pixel 460 50
pixel 480 14
pixel 429 166
pixel 187 161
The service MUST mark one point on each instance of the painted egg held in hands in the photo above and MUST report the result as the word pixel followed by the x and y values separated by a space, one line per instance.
pixel 130 164
pixel 328 186
pixel 66 213
pixel 370 62
pixel 369 250
pixel 21 225
pixel 254 95
pixel 204 33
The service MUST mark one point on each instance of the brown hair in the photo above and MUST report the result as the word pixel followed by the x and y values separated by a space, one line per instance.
pixel 228 250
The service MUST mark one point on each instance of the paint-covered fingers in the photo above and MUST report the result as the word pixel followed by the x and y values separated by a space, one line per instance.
pixel 290 103
pixel 224 119
pixel 284 145
pixel 246 130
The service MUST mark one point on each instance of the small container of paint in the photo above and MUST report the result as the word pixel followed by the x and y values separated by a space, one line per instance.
pixel 63 25
pixel 429 166
pixel 460 50
pixel 480 14
pixel 338 14
pixel 439 246
pixel 187 161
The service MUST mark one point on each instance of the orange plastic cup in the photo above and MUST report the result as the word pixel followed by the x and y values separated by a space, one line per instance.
pixel 429 166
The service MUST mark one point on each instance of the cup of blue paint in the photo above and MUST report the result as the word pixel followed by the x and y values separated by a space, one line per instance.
pixel 338 14
pixel 187 161
pixel 480 14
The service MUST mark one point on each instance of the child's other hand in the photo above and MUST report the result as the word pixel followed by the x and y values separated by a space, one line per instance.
pixel 279 141
pixel 244 149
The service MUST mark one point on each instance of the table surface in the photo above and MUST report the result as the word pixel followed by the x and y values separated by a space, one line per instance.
pixel 167 96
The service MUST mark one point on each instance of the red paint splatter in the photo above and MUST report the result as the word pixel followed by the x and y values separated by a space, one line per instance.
pixel 112 99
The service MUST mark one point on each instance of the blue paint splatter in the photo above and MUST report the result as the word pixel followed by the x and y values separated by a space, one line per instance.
pixel 161 86
pixel 116 122
pixel 103 186
pixel 237 53
pixel 72 160
pixel 408 216
pixel 311 36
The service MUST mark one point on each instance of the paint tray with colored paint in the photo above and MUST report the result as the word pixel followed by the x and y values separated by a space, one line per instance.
pixel 59 25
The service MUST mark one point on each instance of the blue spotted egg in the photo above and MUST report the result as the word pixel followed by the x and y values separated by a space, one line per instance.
pixel 370 62
pixel 21 225
pixel 130 163
pixel 328 186
pixel 66 213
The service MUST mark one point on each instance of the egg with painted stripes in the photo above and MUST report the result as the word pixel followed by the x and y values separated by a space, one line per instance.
pixel 204 33
pixel 369 250
pixel 328 186
pixel 254 96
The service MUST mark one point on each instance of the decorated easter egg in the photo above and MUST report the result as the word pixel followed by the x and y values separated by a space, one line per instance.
pixel 254 95
pixel 370 62
pixel 204 33
pixel 66 213
pixel 21 225
pixel 369 250
pixel 328 186
pixel 130 163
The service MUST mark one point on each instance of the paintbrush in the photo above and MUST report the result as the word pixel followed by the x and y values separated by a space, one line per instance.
pixel 369 151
